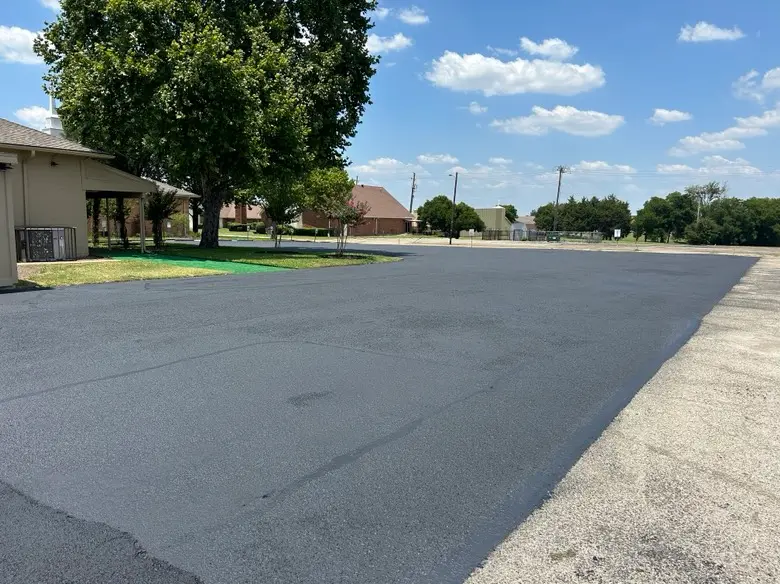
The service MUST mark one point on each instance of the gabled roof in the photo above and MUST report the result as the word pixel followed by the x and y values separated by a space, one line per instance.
pixel 18 137
pixel 177 192
pixel 383 205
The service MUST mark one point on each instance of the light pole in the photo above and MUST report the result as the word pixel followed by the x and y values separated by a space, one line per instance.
pixel 454 198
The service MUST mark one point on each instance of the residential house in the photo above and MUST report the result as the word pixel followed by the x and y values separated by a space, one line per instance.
pixel 45 181
pixel 386 215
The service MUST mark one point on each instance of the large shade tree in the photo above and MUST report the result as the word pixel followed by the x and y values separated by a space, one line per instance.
pixel 211 94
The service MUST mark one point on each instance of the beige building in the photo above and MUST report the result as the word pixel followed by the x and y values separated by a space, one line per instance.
pixel 45 181
pixel 494 219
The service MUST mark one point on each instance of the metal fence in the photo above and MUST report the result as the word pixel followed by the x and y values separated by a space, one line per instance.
pixel 536 235
pixel 45 244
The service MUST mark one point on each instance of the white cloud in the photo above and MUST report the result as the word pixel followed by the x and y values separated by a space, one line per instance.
pixel 554 49
pixel 768 119
pixel 492 76
pixel 413 16
pixel 499 185
pixel 601 166
pixel 499 161
pixel 52 4
pixel 674 169
pixel 437 159
pixel 387 167
pixel 720 165
pixel 712 165
pixel 565 119
pixel 33 116
pixel 380 13
pixel 665 116
pixel 377 44
pixel 730 138
pixel 754 86
pixel 16 45
pixel 503 52
pixel 477 109
pixel 705 32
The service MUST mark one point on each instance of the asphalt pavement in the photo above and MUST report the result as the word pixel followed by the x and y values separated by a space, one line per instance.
pixel 372 424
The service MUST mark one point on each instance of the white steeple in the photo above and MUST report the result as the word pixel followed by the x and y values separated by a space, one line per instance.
pixel 53 122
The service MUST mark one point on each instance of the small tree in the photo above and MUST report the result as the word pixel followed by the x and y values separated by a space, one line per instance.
pixel 160 206
pixel 347 216
pixel 282 200
pixel 330 194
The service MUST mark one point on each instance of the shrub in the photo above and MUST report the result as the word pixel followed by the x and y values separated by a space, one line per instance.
pixel 704 232
pixel 312 231
pixel 238 227
pixel 259 228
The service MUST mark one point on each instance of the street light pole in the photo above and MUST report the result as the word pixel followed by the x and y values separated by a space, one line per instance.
pixel 454 198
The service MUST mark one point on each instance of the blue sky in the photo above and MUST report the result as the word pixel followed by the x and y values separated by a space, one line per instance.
pixel 505 90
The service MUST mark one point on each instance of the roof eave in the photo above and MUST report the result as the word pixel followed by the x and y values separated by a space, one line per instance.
pixel 24 148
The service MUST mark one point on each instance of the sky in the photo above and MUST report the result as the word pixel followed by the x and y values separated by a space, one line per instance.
pixel 633 98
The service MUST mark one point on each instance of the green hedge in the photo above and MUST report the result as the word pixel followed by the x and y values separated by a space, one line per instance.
pixel 238 227
pixel 314 231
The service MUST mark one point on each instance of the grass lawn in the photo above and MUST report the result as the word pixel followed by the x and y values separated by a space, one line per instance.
pixel 96 272
pixel 280 258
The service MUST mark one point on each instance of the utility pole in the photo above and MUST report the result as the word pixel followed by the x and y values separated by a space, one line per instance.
pixel 414 189
pixel 454 198
pixel 561 170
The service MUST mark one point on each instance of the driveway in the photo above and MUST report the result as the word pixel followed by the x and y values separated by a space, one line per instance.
pixel 385 423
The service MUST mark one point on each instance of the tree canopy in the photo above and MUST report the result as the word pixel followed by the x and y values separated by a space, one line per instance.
pixel 510 212
pixel 594 214
pixel 217 96
pixel 721 220
pixel 437 212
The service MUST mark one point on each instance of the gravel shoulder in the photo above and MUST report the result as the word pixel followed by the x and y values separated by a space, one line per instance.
pixel 683 485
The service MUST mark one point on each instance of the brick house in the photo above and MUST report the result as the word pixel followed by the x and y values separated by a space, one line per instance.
pixel 240 214
pixel 386 216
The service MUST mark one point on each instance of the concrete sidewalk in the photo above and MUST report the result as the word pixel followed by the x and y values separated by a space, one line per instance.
pixel 684 486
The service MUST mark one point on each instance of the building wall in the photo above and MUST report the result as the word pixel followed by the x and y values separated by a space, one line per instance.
pixel 372 226
pixel 494 218
pixel 55 195
pixel 8 275
pixel 380 227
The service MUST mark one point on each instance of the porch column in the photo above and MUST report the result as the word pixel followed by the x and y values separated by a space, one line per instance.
pixel 8 275
pixel 142 219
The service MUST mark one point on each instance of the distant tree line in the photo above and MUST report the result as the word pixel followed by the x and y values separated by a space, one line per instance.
pixel 594 214
pixel 702 215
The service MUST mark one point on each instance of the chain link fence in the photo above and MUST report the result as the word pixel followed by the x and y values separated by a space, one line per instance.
pixel 536 235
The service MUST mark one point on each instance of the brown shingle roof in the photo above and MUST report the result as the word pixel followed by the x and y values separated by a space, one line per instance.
pixel 383 204
pixel 18 136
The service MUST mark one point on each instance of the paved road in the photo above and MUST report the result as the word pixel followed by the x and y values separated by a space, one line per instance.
pixel 386 423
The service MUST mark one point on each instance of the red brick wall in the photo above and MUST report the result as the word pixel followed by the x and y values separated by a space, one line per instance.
pixel 370 227
pixel 380 227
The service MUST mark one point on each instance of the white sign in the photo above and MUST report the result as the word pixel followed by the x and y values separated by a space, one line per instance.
pixel 618 233
pixel 471 232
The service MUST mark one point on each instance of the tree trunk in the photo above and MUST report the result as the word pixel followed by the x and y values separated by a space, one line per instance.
pixel 212 204
pixel 275 234
pixel 95 222
pixel 195 217
pixel 157 233
pixel 122 220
